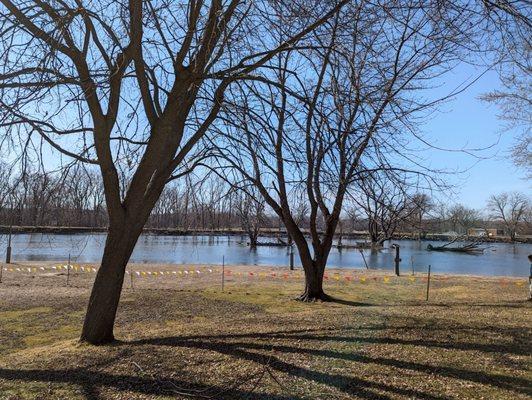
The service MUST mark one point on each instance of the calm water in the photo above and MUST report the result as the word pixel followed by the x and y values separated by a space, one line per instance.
pixel 498 259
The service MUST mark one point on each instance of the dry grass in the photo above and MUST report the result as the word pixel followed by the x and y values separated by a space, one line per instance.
pixel 182 337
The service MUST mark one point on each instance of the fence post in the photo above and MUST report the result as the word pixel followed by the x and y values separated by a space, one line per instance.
pixel 68 270
pixel 291 258
pixel 397 259
pixel 223 272
pixel 8 252
pixel 428 284
pixel 131 278
pixel 1 272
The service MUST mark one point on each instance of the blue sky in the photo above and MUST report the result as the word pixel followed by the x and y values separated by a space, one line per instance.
pixel 466 121
pixel 463 122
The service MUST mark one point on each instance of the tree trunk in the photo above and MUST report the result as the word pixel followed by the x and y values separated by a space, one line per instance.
pixel 373 232
pixel 314 270
pixel 314 285
pixel 378 243
pixel 105 295
pixel 253 239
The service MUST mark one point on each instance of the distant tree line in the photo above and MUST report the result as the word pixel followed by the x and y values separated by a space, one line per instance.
pixel 75 198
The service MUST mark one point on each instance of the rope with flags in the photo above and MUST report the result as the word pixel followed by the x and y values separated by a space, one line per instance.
pixel 189 272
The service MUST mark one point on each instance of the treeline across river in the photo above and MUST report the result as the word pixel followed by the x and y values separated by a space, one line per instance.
pixel 266 233
pixel 73 201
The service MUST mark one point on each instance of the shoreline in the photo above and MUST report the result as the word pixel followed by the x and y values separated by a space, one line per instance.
pixel 136 266
pixel 265 232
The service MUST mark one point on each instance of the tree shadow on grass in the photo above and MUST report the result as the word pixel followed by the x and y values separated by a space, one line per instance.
pixel 349 302
pixel 350 385
pixel 273 358
pixel 90 380
pixel 518 345
pixel 498 348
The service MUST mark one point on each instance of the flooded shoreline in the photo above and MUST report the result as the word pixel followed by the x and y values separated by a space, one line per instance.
pixel 265 233
pixel 498 259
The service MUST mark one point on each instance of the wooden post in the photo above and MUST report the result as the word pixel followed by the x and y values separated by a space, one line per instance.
pixel 397 259
pixel 8 252
pixel 291 258
pixel 131 278
pixel 68 270
pixel 1 272
pixel 223 272
pixel 428 284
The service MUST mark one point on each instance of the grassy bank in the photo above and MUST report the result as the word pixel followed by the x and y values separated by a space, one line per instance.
pixel 182 337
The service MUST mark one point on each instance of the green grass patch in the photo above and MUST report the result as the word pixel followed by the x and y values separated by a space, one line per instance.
pixel 379 339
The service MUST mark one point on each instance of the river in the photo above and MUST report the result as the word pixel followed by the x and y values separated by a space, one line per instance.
pixel 499 259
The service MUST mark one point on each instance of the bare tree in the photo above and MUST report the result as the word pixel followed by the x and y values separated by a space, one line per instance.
pixel 250 208
pixel 420 204
pixel 462 218
pixel 6 194
pixel 385 205
pixel 78 196
pixel 130 86
pixel 513 21
pixel 70 197
pixel 510 208
pixel 337 109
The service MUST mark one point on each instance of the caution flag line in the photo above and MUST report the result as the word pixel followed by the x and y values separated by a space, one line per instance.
pixel 335 276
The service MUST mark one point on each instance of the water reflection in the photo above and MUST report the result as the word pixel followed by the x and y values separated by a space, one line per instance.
pixel 498 259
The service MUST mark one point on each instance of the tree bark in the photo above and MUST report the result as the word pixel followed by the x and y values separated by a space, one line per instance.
pixel 253 239
pixel 105 295
pixel 379 243
pixel 314 284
